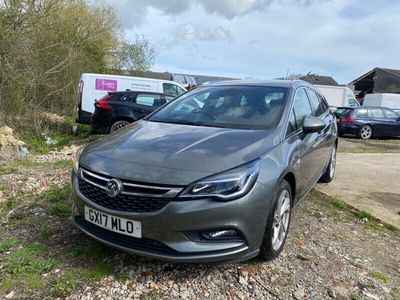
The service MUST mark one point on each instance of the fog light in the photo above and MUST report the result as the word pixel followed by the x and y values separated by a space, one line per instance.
pixel 220 234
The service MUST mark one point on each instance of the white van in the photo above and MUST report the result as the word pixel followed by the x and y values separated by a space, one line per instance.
pixel 338 96
pixel 382 99
pixel 95 86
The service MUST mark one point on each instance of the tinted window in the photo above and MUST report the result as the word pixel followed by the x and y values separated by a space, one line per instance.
pixel 315 103
pixel 323 102
pixel 391 114
pixel 148 100
pixel 226 106
pixel 377 112
pixel 126 98
pixel 361 113
pixel 301 107
pixel 342 111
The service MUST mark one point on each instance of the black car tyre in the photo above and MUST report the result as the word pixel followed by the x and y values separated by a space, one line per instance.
pixel 278 222
pixel 118 125
pixel 330 170
pixel 365 132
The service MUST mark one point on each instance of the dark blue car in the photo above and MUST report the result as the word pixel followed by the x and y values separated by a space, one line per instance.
pixel 368 121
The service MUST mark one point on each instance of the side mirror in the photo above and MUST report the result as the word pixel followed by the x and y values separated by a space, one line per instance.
pixel 313 124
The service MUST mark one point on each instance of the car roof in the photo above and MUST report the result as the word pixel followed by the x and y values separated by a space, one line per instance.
pixel 266 83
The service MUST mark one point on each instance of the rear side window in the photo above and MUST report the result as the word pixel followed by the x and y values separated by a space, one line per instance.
pixel 301 107
pixel 148 100
pixel 316 104
pixel 361 113
pixel 377 113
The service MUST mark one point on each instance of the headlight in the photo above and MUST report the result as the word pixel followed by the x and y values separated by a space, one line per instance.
pixel 227 185
pixel 76 161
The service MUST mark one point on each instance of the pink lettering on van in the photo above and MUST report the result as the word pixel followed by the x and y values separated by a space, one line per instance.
pixel 106 85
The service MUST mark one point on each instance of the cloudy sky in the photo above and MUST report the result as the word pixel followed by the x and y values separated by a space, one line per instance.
pixel 265 39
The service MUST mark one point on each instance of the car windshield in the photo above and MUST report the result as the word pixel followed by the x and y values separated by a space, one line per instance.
pixel 243 107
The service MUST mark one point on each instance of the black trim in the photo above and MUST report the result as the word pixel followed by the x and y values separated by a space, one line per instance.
pixel 83 117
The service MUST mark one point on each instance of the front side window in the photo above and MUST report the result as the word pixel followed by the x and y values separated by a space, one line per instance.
pixel 172 89
pixel 301 107
pixel 292 126
pixel 243 107
pixel 316 104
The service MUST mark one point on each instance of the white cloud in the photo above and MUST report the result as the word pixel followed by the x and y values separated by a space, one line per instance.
pixel 188 32
pixel 262 39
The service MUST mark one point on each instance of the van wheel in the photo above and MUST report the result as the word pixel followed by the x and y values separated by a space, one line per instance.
pixel 330 170
pixel 278 222
pixel 365 132
pixel 118 125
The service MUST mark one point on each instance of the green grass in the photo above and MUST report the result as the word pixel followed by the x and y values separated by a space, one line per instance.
pixel 4 186
pixel 27 261
pixel 8 205
pixel 56 194
pixel 64 163
pixel 92 250
pixel 44 232
pixel 380 276
pixel 339 203
pixel 60 210
pixel 6 244
pixel 37 143
pixel 75 278
pixel 362 214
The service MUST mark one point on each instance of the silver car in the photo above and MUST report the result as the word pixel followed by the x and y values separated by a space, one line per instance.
pixel 210 177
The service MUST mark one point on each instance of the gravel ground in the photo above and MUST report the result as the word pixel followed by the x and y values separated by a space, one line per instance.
pixel 330 253
pixel 324 258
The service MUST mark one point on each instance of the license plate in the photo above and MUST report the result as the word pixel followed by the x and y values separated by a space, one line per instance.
pixel 113 223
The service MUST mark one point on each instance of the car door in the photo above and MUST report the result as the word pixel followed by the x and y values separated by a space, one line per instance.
pixel 325 137
pixel 144 104
pixel 392 121
pixel 308 146
pixel 379 123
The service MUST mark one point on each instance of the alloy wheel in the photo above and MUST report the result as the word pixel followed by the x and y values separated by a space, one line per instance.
pixel 280 223
pixel 366 132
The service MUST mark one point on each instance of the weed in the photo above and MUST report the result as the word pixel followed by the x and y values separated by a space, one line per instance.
pixel 362 214
pixel 6 244
pixel 339 203
pixel 44 232
pixel 60 210
pixel 380 276
pixel 8 205
pixel 27 261
pixel 55 193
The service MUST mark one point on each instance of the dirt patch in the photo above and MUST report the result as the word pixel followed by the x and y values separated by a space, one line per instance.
pixel 368 181
pixel 354 145
pixel 9 144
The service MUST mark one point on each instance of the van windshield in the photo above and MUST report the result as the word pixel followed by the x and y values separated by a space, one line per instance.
pixel 243 107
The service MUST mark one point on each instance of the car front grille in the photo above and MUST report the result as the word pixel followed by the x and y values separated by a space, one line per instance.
pixel 133 198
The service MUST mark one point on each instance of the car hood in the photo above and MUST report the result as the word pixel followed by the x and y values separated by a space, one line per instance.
pixel 173 153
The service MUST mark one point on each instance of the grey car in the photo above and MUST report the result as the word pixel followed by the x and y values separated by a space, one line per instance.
pixel 210 177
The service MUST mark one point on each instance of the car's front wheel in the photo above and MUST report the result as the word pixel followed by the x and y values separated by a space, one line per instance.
pixel 278 222
pixel 365 132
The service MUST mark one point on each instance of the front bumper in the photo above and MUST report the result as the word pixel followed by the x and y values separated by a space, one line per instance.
pixel 165 232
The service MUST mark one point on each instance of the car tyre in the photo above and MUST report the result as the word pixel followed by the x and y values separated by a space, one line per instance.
pixel 118 125
pixel 278 222
pixel 365 132
pixel 330 170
